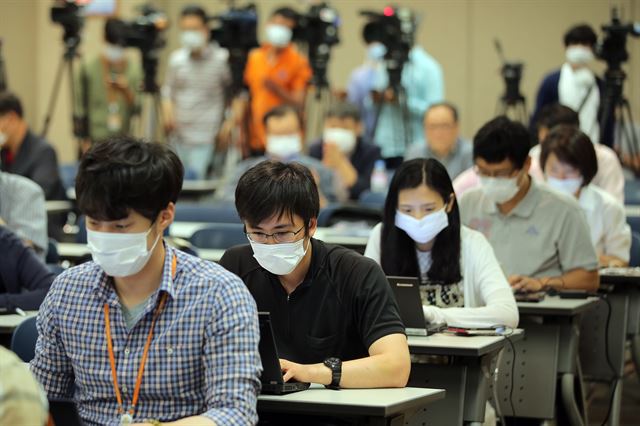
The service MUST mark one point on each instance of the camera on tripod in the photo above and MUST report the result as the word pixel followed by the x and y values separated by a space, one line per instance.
pixel 318 29
pixel 395 28
pixel 67 14
pixel 613 48
pixel 237 32
pixel 145 33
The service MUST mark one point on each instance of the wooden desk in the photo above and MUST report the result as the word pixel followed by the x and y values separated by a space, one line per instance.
pixel 378 406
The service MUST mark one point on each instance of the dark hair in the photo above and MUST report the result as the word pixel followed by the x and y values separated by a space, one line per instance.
pixel 194 10
pixel 287 13
pixel 122 173
pixel 397 249
pixel 10 103
pixel 274 188
pixel 452 108
pixel 114 31
pixel 501 139
pixel 555 114
pixel 580 34
pixel 573 147
pixel 343 110
pixel 280 111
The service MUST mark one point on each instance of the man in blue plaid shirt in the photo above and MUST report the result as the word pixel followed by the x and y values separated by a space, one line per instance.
pixel 145 333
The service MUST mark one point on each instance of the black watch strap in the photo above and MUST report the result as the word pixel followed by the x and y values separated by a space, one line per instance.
pixel 335 365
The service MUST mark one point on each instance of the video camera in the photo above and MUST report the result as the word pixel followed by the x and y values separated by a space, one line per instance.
pixel 318 29
pixel 237 32
pixel 145 33
pixel 67 14
pixel 512 75
pixel 613 48
pixel 395 27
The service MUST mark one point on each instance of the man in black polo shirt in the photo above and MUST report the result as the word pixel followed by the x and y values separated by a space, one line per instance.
pixel 334 317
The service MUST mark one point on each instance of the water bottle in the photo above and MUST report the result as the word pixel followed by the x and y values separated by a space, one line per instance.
pixel 379 179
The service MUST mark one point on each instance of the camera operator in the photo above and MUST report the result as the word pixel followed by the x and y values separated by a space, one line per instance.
pixel 368 87
pixel 276 74
pixel 194 93
pixel 108 85
pixel 575 85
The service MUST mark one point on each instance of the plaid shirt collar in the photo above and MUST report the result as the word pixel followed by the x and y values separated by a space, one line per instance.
pixel 104 288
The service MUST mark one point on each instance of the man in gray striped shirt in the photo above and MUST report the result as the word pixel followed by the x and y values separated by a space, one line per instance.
pixel 22 210
pixel 194 93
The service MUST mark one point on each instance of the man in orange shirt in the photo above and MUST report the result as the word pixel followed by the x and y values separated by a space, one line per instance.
pixel 276 73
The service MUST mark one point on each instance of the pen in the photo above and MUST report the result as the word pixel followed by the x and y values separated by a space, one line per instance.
pixel 20 312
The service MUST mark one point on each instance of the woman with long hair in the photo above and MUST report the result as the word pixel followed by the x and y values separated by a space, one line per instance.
pixel 462 283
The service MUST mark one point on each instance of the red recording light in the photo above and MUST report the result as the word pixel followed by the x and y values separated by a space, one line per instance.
pixel 388 11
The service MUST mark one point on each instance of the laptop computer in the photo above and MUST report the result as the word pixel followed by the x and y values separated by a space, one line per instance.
pixel 407 293
pixel 64 412
pixel 272 382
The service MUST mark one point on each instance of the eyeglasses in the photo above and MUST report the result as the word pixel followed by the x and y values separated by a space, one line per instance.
pixel 495 174
pixel 278 237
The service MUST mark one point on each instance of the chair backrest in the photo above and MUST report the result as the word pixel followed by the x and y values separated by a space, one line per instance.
pixel 632 191
pixel 372 199
pixel 213 213
pixel 335 213
pixel 634 258
pixel 219 236
pixel 23 341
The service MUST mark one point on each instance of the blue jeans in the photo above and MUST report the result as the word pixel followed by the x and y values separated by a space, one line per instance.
pixel 195 159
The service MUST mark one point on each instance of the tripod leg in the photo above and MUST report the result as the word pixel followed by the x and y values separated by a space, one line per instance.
pixel 54 97
pixel 630 130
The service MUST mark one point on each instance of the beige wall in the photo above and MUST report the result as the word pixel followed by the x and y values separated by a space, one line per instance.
pixel 458 33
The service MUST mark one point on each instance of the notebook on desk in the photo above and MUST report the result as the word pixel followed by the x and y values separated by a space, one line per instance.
pixel 407 293
pixel 272 381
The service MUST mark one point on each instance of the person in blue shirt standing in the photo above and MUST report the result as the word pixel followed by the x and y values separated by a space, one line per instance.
pixel 145 334
pixel 423 82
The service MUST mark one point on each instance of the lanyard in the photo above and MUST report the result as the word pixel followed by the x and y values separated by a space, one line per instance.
pixel 127 418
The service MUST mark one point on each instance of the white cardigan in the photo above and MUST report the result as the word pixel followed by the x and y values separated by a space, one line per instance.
pixel 488 298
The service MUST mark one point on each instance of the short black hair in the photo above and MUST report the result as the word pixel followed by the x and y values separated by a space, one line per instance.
pixel 114 31
pixel 194 10
pixel 343 110
pixel 554 114
pixel 580 34
pixel 272 188
pixel 397 249
pixel 123 173
pixel 280 111
pixel 10 103
pixel 501 139
pixel 452 108
pixel 572 147
pixel 286 12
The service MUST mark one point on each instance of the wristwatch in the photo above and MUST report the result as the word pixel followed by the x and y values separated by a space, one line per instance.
pixel 335 365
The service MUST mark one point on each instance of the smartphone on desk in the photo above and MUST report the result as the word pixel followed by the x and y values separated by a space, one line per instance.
pixel 529 297
pixel 573 294
pixel 459 331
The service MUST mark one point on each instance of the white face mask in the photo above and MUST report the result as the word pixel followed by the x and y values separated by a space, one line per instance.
pixel 569 186
pixel 376 51
pixel 284 146
pixel 425 229
pixel 281 258
pixel 499 190
pixel 120 255
pixel 579 55
pixel 343 138
pixel 192 39
pixel 278 35
pixel 3 138
pixel 113 53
